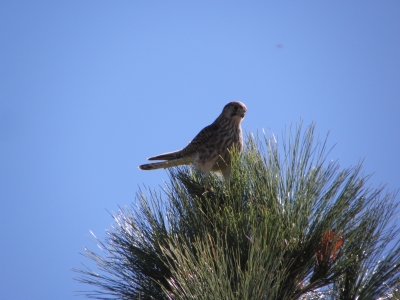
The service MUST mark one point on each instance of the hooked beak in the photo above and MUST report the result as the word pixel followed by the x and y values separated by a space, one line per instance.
pixel 238 114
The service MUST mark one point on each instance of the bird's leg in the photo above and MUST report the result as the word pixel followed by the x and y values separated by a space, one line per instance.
pixel 207 188
pixel 226 173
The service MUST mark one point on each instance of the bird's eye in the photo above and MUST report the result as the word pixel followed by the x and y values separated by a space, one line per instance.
pixel 235 107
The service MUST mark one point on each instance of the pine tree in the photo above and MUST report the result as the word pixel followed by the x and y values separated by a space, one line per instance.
pixel 289 224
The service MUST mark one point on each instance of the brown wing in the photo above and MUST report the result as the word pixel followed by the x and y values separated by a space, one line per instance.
pixel 166 164
pixel 203 137
pixel 167 156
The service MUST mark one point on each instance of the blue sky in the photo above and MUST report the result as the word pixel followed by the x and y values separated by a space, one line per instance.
pixel 90 89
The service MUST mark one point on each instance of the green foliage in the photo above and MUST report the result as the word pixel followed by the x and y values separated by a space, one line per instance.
pixel 287 225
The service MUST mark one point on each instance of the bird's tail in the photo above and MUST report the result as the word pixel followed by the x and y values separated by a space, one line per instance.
pixel 165 164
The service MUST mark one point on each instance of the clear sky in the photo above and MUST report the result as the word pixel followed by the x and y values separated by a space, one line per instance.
pixel 90 89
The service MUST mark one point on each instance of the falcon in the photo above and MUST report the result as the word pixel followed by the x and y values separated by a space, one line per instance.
pixel 209 150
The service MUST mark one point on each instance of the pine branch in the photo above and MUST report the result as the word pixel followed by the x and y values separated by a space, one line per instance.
pixel 289 224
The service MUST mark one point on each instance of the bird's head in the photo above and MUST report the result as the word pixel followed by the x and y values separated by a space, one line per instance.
pixel 235 110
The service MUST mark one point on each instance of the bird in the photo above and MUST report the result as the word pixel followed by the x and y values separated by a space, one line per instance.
pixel 210 148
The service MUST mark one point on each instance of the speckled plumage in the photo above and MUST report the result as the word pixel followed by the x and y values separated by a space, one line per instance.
pixel 208 151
